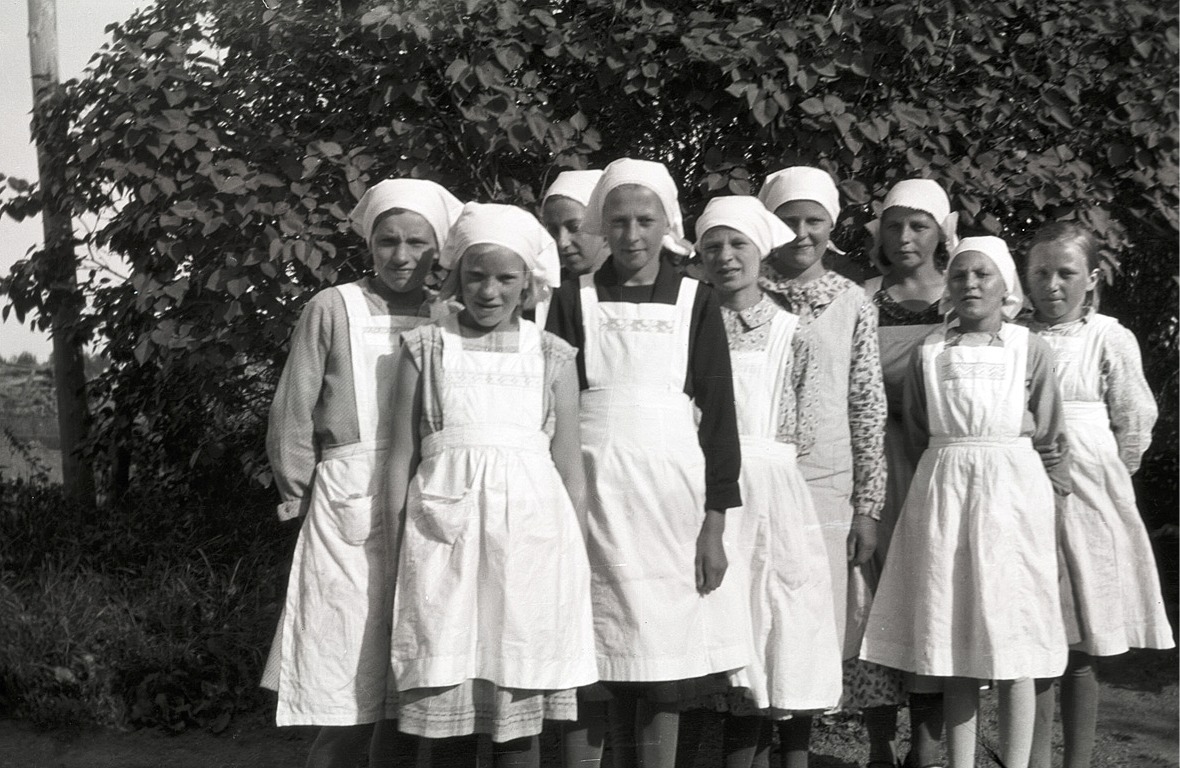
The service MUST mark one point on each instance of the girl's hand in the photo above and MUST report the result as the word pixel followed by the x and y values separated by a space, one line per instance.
pixel 862 539
pixel 711 562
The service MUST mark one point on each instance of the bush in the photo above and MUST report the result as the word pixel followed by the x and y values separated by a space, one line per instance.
pixel 156 613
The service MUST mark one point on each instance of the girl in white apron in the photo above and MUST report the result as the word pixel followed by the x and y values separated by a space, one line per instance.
pixel 778 544
pixel 492 627
pixel 845 469
pixel 327 442
pixel 651 345
pixel 911 243
pixel 969 591
pixel 1110 588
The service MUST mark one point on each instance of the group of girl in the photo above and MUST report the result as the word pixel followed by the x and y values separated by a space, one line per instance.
pixel 765 493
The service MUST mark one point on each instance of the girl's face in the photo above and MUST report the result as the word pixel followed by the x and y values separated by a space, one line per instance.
pixel 908 237
pixel 403 249
pixel 1059 277
pixel 635 224
pixel 731 259
pixel 812 227
pixel 976 288
pixel 580 253
pixel 492 280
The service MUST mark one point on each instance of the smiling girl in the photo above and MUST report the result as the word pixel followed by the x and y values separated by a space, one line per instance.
pixel 492 629
pixel 327 440
pixel 796 663
pixel 845 469
pixel 1111 591
pixel 969 590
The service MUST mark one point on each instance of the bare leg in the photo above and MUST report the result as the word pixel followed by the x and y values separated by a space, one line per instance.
pixel 658 728
pixel 795 741
pixel 744 738
pixel 881 723
pixel 1042 744
pixel 581 741
pixel 925 729
pixel 1017 714
pixel 961 708
pixel 339 746
pixel 390 748
pixel 1079 709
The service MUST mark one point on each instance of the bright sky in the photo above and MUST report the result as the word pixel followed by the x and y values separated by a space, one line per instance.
pixel 80 31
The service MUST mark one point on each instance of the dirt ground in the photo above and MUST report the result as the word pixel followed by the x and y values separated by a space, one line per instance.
pixel 1137 728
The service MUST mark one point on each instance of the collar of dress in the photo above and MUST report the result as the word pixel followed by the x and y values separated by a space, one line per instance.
pixel 750 318
pixel 805 298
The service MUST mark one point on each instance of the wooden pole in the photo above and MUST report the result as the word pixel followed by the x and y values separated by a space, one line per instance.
pixel 65 300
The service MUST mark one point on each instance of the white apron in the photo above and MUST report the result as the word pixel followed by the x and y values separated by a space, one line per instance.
pixel 493 581
pixel 796 658
pixel 330 656
pixel 646 475
pixel 970 584
pixel 1110 588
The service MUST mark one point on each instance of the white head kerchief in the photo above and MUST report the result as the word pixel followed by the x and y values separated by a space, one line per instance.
pixel 748 216
pixel 801 182
pixel 425 198
pixel 650 175
pixel 996 250
pixel 576 185
pixel 919 195
pixel 510 227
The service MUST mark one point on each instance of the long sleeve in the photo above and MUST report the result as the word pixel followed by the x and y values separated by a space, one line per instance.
pixel 914 414
pixel 803 382
pixel 290 434
pixel 711 380
pixel 867 412
pixel 1044 403
pixel 1129 400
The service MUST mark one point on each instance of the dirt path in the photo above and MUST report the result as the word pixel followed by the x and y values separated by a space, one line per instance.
pixel 1138 728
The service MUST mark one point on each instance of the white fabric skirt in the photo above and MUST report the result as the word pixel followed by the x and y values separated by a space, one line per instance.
pixel 1110 588
pixel 970 585
pixel 796 659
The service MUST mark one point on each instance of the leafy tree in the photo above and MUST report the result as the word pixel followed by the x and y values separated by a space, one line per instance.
pixel 223 143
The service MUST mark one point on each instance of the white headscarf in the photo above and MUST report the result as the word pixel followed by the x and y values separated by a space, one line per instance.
pixel 748 216
pixel 919 195
pixel 576 185
pixel 510 227
pixel 649 175
pixel 996 250
pixel 801 182
pixel 425 198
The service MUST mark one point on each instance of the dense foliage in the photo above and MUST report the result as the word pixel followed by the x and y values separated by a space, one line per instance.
pixel 222 142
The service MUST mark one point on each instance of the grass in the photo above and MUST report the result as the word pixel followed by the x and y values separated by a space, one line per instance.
pixel 152 613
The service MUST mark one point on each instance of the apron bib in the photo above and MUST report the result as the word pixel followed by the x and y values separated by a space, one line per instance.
pixel 646 475
pixel 778 546
pixel 494 581
pixel 331 653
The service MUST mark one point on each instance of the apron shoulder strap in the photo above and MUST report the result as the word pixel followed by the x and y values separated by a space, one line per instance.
pixel 354 301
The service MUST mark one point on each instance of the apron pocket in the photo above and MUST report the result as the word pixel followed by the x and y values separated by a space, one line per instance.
pixel 444 518
pixel 356 518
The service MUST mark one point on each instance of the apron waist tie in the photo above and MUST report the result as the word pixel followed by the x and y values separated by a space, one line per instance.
pixel 767 446
pixel 354 449
pixel 980 441
pixel 485 436
pixel 1086 410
